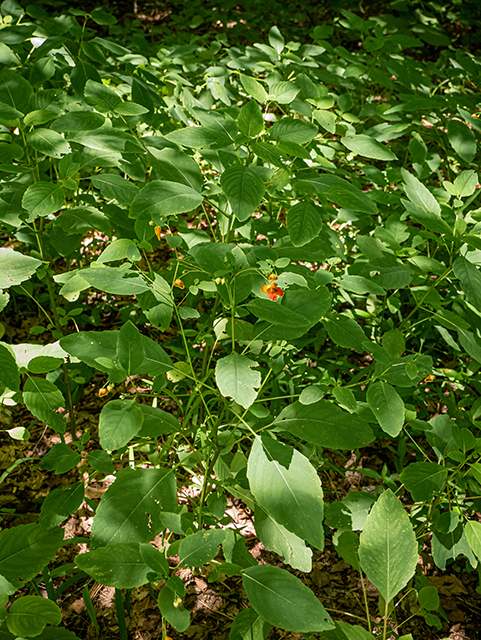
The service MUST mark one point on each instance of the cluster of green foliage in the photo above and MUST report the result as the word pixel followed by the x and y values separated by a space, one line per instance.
pixel 317 287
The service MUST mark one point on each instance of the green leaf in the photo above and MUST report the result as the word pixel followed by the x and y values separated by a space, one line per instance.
pixel 130 109
pixel 470 278
pixel 117 565
pixel 235 378
pixel 9 373
pixel 368 147
pixel 115 281
pixel 61 458
pixel 157 422
pixel 176 166
pixel 289 490
pixel 283 600
pixel 15 90
pixel 244 190
pixel 326 119
pixel 29 615
pixel 304 221
pixel 465 183
pixel 276 40
pixel 78 121
pixel 110 140
pixel 160 199
pixel 26 548
pixel 248 625
pixel 418 194
pixel 42 199
pixel 387 407
pixel 15 267
pixel 293 130
pixel 100 461
pixel 120 421
pixel 345 332
pixel 129 509
pixel 113 186
pixel 423 480
pixel 44 364
pixel 339 191
pixel 42 398
pixel 92 347
pixel 130 349
pixel 156 560
pixel 175 613
pixel 60 503
pixel 201 547
pixel 156 361
pixel 388 551
pixel 394 343
pixel 100 96
pixel 324 424
pixel 250 119
pixel 277 538
pixel 253 88
pixel 283 92
pixel 462 139
pixel 48 142
pixel 472 529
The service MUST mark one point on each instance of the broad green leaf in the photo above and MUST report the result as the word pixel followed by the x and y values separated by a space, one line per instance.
pixel 29 615
pixel 130 109
pixel 337 190
pixel 156 560
pixel 283 92
pixel 43 398
pixel 110 140
pixel 156 361
pixel 470 278
pixel 299 308
pixel 462 139
pixel 284 601
pixel 276 537
pixel 111 185
pixel 201 547
pixel 472 529
pixel 447 546
pixel 157 422
pixel 42 199
pixel 394 343
pixel 345 332
pixel 26 549
pixel 418 194
pixel 160 199
pixel 387 407
pixel 423 480
pixel 327 119
pixel 100 96
pixel 44 364
pixel 347 546
pixel 119 422
pixel 130 349
pixel 60 503
pixel 253 88
pixel 60 458
pixel 470 343
pixel 248 625
pixel 250 119
pixel 9 373
pixel 15 267
pixel 115 281
pixel 293 130
pixel 100 461
pixel 175 613
pixel 304 222
pixel 244 190
pixel 117 565
pixel 129 509
pixel 324 424
pixel 388 551
pixel 48 142
pixel 176 166
pixel 15 90
pixel 289 490
pixel 346 631
pixel 368 147
pixel 236 378
pixel 200 138
pixel 92 347
pixel 465 184
pixel 78 121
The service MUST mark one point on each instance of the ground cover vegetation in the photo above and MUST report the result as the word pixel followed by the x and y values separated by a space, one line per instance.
pixel 263 261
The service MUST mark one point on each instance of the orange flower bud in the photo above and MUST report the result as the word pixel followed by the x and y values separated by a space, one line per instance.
pixel 103 392
pixel 429 378
pixel 178 283
pixel 272 276
pixel 158 231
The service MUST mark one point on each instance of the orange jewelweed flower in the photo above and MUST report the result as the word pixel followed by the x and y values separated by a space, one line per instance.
pixel 429 378
pixel 158 231
pixel 179 283
pixel 103 392
pixel 272 291
pixel 272 276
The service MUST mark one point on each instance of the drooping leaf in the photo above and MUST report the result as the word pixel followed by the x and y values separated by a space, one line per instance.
pixel 276 537
pixel 345 332
pixel 117 565
pixel 244 190
pixel 470 278
pixel 48 142
pixel 291 493
pixel 29 615
pixel 472 529
pixel 60 458
pixel 175 613
pixel 201 547
pixel 160 199
pixel 423 479
pixel 15 267
pixel 387 406
pixel 248 625
pixel 60 503
pixel 26 548
pixel 418 194
pixel 43 398
pixel 284 601
pixel 462 139
pixel 119 422
pixel 324 424
pixel 128 510
pixel 9 373
pixel 130 349
pixel 388 551
pixel 236 378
